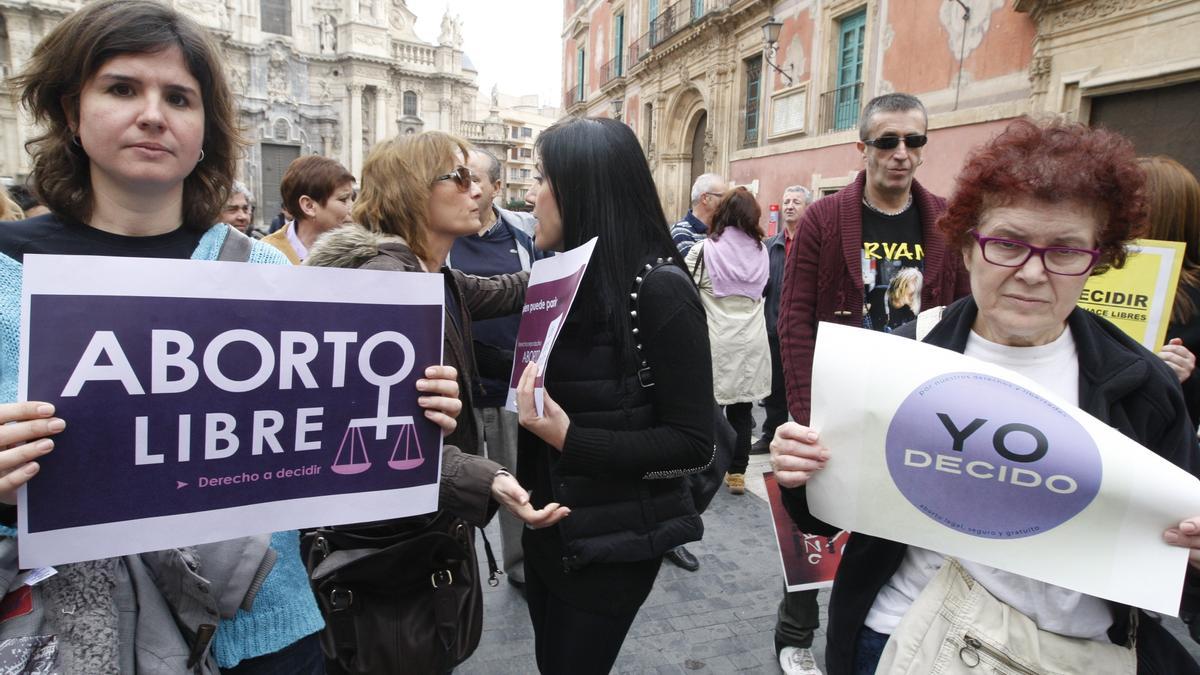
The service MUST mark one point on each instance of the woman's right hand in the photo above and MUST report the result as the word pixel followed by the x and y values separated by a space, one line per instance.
pixel 510 494
pixel 24 428
pixel 796 454
pixel 1178 358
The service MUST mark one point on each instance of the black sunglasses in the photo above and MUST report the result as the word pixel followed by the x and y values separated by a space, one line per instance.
pixel 892 142
pixel 462 176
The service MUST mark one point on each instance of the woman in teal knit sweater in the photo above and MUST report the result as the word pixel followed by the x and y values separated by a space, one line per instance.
pixel 137 157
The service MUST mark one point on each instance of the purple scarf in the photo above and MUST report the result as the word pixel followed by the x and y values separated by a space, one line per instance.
pixel 737 264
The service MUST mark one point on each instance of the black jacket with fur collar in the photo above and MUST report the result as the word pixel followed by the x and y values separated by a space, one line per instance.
pixel 1121 384
pixel 475 297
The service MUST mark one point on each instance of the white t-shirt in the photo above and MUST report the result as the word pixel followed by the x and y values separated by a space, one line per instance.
pixel 1055 366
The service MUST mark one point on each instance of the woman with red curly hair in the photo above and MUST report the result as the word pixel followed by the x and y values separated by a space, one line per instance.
pixel 1036 211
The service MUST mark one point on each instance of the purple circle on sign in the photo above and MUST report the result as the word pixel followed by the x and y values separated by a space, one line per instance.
pixel 989 458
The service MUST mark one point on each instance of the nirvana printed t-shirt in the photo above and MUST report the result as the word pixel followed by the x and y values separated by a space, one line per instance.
pixel 893 259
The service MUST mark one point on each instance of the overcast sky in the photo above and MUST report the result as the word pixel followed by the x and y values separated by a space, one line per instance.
pixel 514 43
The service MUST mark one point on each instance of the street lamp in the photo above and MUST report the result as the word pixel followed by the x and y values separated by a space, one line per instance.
pixel 771 38
pixel 618 107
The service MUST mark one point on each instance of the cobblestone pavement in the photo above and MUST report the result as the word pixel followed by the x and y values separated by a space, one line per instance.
pixel 720 619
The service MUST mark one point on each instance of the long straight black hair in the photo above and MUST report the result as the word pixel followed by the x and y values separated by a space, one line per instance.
pixel 602 184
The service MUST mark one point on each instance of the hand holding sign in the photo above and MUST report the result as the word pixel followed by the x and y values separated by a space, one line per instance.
pixel 553 424
pixel 1178 358
pixel 1186 535
pixel 796 454
pixel 443 407
pixel 24 428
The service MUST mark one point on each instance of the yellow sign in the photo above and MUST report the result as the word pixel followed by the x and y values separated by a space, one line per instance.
pixel 1138 297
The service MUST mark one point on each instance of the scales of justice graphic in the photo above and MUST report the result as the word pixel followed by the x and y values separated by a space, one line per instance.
pixel 352 457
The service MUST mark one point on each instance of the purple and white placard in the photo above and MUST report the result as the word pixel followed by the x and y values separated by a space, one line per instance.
pixel 971 460
pixel 553 283
pixel 211 400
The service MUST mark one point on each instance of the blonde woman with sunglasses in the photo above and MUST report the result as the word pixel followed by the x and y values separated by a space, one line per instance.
pixel 417 197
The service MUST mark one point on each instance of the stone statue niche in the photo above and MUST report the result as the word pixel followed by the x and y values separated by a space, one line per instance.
pixel 327 34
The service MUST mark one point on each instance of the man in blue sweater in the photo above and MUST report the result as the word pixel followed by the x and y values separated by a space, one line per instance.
pixel 500 247
pixel 706 194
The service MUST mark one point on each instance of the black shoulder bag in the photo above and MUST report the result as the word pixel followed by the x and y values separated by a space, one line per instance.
pixel 703 481
pixel 398 596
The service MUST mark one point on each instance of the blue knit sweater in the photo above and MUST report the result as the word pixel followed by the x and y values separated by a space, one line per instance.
pixel 284 609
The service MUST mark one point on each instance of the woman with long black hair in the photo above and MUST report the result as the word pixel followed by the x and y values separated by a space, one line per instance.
pixel 628 403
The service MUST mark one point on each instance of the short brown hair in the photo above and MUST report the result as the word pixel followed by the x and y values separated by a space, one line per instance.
pixel 73 51
pixel 1053 162
pixel 397 181
pixel 738 210
pixel 311 175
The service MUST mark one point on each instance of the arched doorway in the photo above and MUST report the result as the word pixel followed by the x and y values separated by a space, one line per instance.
pixel 698 133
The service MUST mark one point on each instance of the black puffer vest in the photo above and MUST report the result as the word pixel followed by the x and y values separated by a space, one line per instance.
pixel 614 518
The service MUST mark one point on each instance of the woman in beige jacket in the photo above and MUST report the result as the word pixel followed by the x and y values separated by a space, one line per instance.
pixel 731 269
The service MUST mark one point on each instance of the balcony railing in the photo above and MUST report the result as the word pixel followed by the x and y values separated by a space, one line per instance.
pixel 839 108
pixel 471 130
pixel 612 70
pixel 408 52
pixel 673 19
pixel 572 97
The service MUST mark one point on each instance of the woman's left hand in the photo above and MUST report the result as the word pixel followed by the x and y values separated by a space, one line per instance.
pixel 440 400
pixel 1186 535
pixel 553 424
pixel 1179 358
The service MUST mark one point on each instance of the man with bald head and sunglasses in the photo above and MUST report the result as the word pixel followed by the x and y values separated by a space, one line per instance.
pixel 852 245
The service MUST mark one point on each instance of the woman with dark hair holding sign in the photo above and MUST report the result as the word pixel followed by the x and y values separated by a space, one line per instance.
pixel 137 155
pixel 1036 211
pixel 628 400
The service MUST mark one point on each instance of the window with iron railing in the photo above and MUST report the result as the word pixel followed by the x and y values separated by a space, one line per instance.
pixel 752 101
pixel 581 72
pixel 852 37
pixel 619 45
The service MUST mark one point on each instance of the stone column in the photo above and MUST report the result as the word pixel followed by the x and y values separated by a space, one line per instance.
pixel 354 140
pixel 383 103
pixel 21 41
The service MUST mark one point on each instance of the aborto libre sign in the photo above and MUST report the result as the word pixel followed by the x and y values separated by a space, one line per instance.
pixel 211 400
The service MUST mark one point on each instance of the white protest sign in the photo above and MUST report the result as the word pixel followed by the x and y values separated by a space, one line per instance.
pixel 972 460
pixel 553 283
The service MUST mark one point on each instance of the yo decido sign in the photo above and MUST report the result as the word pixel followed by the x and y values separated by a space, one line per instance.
pixel 989 458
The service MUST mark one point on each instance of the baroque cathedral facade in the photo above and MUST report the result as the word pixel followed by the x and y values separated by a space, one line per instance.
pixel 327 77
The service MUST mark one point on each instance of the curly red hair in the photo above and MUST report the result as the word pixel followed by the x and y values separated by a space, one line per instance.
pixel 1053 162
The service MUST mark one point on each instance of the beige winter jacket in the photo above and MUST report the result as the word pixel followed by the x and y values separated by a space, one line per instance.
pixel 737 335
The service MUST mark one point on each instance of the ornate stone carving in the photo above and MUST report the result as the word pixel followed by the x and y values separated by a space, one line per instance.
pixel 1083 12
pixel 681 69
pixel 710 148
pixel 369 39
pixel 327 33
pixel 446 37
pixel 205 10
pixel 1039 74
pixel 279 88
pixel 396 16
pixel 237 81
